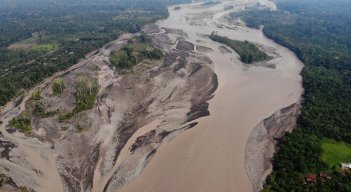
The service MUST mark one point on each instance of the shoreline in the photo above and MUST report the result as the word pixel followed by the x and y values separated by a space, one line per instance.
pixel 261 145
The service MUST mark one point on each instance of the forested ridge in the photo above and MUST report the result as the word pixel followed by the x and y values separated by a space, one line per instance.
pixel 39 37
pixel 319 32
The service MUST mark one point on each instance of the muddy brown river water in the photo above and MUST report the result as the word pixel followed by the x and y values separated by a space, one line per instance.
pixel 210 157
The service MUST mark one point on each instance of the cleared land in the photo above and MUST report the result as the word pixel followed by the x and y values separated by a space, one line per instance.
pixel 335 153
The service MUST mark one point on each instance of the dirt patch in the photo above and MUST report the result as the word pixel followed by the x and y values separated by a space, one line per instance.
pixel 199 19
pixel 178 32
pixel 203 49
pixel 185 46
pixel 150 29
pixel 8 185
pixel 224 50
pixel 162 41
pixel 5 147
pixel 20 46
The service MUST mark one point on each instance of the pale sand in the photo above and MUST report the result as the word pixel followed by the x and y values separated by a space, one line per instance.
pixel 210 157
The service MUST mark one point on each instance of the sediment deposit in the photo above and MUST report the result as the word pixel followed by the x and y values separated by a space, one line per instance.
pixel 261 144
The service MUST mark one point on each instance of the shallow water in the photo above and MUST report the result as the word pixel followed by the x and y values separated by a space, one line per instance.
pixel 210 157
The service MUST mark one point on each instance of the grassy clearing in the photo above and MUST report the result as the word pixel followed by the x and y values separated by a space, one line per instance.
pixel 32 43
pixel 44 47
pixel 335 153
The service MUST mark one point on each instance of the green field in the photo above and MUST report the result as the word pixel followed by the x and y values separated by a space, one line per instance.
pixel 44 47
pixel 335 153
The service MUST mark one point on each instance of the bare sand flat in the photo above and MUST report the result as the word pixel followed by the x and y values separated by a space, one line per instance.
pixel 210 157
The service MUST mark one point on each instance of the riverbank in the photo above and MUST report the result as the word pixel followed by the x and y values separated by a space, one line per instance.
pixel 261 145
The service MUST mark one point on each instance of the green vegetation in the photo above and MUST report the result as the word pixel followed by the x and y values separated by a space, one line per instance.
pixel 22 123
pixel 36 106
pixel 3 179
pixel 335 153
pixel 56 29
pixel 135 52
pixel 36 95
pixel 318 31
pixel 58 86
pixel 44 47
pixel 39 111
pixel 79 128
pixel 85 94
pixel 248 52
pixel 23 189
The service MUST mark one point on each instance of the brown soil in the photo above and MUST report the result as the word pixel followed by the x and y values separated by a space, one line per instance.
pixel 225 50
pixel 203 49
pixel 185 46
pixel 20 46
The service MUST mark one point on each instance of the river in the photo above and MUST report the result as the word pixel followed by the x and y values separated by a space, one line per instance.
pixel 210 157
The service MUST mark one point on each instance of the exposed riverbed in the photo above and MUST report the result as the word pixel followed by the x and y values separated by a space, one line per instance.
pixel 210 157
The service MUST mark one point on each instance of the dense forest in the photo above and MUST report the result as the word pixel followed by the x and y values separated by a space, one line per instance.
pixel 248 52
pixel 39 37
pixel 318 31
